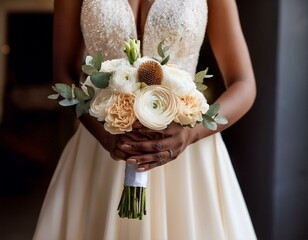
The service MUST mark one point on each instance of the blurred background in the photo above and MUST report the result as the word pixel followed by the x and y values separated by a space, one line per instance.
pixel 268 147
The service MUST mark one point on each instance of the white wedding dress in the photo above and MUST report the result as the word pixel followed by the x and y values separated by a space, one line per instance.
pixel 195 197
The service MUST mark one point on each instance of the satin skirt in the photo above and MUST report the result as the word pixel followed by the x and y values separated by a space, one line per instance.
pixel 195 197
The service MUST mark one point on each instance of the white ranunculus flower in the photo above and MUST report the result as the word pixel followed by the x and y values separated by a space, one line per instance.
pixel 156 106
pixel 101 103
pixel 124 80
pixel 139 61
pixel 112 65
pixel 191 109
pixel 178 80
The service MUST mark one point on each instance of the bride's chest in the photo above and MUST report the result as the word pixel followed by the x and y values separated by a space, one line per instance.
pixel 168 20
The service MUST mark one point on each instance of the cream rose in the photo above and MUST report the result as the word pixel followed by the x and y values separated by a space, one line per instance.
pixel 156 106
pixel 112 65
pixel 191 109
pixel 120 116
pixel 178 80
pixel 124 80
pixel 100 104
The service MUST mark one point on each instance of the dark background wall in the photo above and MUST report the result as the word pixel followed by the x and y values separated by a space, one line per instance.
pixel 291 145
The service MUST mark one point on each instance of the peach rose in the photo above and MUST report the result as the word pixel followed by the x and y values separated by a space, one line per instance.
pixel 191 109
pixel 120 116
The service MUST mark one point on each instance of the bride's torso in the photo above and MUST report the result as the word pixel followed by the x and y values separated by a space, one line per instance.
pixel 180 23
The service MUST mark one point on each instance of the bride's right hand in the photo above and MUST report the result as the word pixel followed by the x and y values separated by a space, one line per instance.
pixel 112 142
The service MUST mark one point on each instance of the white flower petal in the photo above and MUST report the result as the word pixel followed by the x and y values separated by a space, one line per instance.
pixel 178 80
pixel 156 107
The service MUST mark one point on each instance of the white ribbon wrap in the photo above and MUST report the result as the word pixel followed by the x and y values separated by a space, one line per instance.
pixel 134 178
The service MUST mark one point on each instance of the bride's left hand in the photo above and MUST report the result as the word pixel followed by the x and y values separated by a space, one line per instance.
pixel 164 146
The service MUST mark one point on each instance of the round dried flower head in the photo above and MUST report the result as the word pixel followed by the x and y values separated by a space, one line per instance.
pixel 150 72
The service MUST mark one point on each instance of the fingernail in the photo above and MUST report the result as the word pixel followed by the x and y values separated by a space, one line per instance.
pixel 126 146
pixel 131 161
pixel 140 169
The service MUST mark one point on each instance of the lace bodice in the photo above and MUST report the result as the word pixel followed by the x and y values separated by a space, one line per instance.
pixel 180 23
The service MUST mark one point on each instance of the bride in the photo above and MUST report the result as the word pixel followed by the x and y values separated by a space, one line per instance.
pixel 192 191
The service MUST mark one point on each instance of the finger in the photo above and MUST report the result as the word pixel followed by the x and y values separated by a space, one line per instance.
pixel 147 146
pixel 149 157
pixel 128 152
pixel 118 155
pixel 169 130
pixel 148 165
pixel 136 136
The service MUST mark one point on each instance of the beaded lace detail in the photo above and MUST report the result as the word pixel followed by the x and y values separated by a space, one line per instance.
pixel 180 23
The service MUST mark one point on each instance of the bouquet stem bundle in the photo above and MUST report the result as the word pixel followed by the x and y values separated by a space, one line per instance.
pixel 133 200
pixel 133 203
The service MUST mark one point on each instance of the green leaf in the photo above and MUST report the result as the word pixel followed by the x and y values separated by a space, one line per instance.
pixel 201 87
pixel 54 88
pixel 88 69
pixel 209 123
pixel 221 120
pixel 97 60
pixel 213 110
pixel 200 76
pixel 53 96
pixel 143 84
pixel 165 60
pixel 160 50
pixel 82 107
pixel 91 91
pixel 68 102
pixel 80 95
pixel 64 90
pixel 100 79
pixel 166 48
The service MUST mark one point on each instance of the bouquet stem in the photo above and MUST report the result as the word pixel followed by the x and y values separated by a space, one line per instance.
pixel 133 203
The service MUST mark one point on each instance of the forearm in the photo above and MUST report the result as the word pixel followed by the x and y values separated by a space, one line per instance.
pixel 234 104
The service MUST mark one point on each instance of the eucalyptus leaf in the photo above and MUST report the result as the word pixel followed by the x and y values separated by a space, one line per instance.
pixel 88 69
pixel 199 77
pixel 100 79
pixel 221 120
pixel 209 123
pixel 80 95
pixel 165 60
pixel 68 102
pixel 91 91
pixel 166 48
pixel 54 88
pixel 97 60
pixel 213 109
pixel 53 96
pixel 160 50
pixel 64 90
pixel 81 108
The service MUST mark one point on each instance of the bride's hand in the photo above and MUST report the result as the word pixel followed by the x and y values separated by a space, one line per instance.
pixel 113 143
pixel 164 146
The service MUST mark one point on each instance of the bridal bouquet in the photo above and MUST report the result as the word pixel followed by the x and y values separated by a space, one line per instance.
pixel 119 92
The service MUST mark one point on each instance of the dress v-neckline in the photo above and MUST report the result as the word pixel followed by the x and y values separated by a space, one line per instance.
pixel 145 26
